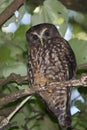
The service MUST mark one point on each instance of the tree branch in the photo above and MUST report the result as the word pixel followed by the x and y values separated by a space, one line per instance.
pixel 36 89
pixel 19 94
pixel 9 11
pixel 82 66
pixel 78 5
pixel 17 78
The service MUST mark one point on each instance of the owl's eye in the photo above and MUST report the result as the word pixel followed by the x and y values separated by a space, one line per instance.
pixel 47 33
pixel 34 37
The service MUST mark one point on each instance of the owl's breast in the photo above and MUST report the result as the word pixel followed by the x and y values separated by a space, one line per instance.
pixel 53 63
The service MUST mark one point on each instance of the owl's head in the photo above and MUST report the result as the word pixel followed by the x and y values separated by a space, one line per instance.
pixel 40 33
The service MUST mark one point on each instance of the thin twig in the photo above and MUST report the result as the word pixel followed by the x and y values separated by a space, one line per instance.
pixel 5 121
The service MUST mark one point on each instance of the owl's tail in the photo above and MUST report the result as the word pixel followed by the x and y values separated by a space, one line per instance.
pixel 65 123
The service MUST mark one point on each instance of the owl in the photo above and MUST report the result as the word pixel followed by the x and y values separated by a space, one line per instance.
pixel 51 60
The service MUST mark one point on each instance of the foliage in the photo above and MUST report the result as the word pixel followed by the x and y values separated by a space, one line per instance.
pixel 13 58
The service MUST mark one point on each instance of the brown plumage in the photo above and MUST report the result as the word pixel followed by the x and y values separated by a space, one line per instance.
pixel 51 59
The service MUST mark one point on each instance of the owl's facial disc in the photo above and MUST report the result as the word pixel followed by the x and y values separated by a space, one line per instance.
pixel 40 37
pixel 37 37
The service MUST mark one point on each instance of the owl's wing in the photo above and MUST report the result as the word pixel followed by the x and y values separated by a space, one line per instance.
pixel 72 61
pixel 60 59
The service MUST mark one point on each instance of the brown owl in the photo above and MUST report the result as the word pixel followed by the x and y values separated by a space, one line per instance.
pixel 51 59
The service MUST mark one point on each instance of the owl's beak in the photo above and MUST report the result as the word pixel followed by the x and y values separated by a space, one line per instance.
pixel 41 40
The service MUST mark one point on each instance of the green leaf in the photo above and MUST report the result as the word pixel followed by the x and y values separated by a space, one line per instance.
pixel 4 54
pixel 19 37
pixel 18 68
pixel 5 58
pixel 80 49
pixel 79 32
pixel 48 124
pixel 82 118
pixel 13 53
pixel 52 12
pixel 80 18
pixel 4 4
pixel 30 5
